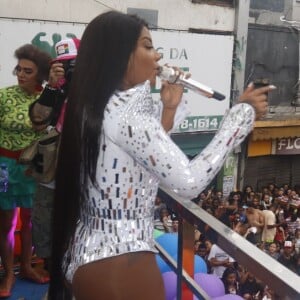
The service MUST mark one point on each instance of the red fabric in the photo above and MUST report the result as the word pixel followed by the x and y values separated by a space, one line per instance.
pixel 10 154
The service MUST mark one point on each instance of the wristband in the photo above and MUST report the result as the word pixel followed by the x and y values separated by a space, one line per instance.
pixel 49 87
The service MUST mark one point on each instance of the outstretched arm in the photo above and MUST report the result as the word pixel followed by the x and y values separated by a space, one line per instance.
pixel 143 138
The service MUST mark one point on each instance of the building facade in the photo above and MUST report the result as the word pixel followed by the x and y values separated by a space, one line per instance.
pixel 273 148
pixel 266 46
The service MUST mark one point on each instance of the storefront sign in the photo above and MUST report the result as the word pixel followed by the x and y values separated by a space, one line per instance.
pixel 228 185
pixel 200 123
pixel 286 146
pixel 229 174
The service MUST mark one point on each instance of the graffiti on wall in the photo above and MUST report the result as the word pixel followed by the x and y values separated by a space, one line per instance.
pixel 45 45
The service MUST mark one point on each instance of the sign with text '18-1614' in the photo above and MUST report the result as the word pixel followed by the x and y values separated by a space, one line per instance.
pixel 200 123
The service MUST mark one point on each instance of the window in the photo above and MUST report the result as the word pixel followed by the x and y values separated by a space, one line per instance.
pixel 149 15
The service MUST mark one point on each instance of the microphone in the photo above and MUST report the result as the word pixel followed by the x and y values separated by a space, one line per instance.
pixel 169 74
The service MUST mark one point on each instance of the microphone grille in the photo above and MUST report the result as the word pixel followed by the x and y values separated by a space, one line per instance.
pixel 166 73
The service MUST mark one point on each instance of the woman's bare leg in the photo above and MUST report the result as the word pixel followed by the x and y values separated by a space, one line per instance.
pixel 8 222
pixel 27 271
pixel 125 277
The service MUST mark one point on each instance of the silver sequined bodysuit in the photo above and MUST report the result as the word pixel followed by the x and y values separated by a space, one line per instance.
pixel 136 155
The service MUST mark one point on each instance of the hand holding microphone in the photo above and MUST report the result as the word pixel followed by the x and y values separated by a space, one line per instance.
pixel 172 76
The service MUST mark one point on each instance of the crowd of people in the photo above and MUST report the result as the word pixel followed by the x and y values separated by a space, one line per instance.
pixel 268 218
pixel 114 151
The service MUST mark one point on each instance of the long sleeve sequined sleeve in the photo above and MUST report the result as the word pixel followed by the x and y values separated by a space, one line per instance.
pixel 140 134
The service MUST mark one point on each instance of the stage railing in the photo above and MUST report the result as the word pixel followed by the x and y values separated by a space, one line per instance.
pixel 285 283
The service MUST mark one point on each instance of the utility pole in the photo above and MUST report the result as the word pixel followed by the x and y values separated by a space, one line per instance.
pixel 239 66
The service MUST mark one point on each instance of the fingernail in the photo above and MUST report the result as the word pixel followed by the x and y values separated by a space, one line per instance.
pixel 250 84
pixel 272 87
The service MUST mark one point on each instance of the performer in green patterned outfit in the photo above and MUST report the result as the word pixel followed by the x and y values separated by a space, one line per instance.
pixel 16 133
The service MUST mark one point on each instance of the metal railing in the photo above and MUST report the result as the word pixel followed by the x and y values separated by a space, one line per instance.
pixel 285 283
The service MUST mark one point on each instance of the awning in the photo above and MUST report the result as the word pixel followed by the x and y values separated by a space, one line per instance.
pixel 269 130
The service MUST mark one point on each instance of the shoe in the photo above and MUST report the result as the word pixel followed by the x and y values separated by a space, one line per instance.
pixel 6 293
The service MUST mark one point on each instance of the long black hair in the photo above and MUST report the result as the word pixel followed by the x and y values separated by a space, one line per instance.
pixel 105 49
